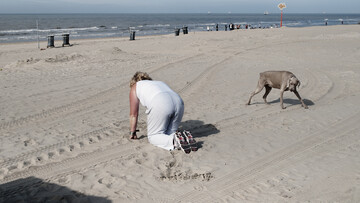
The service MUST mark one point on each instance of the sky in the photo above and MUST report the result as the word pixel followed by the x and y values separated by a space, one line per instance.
pixel 178 6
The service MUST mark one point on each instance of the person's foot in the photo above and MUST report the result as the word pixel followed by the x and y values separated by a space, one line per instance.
pixel 190 139
pixel 181 143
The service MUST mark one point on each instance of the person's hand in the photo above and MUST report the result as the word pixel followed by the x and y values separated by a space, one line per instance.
pixel 133 135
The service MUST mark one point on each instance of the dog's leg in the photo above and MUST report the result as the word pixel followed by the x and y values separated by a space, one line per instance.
pixel 259 87
pixel 302 102
pixel 268 89
pixel 282 90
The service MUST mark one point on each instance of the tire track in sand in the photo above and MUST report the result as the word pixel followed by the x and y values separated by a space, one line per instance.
pixel 264 111
pixel 26 160
pixel 22 159
pixel 101 157
pixel 47 153
pixel 51 169
pixel 339 135
pixel 86 103
pixel 253 187
pixel 12 184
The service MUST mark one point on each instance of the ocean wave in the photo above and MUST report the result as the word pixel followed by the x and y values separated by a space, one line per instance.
pixel 158 25
pixel 31 31
pixel 17 31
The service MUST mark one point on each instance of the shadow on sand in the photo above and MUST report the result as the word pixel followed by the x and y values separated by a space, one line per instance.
pixel 33 189
pixel 293 102
pixel 198 129
pixel 289 102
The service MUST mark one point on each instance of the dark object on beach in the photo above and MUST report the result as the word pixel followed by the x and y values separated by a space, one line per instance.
pixel 217 27
pixel 66 39
pixel 50 41
pixel 185 30
pixel 231 27
pixel 177 32
pixel 225 27
pixel 132 35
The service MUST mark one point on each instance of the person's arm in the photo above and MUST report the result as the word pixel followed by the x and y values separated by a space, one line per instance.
pixel 134 111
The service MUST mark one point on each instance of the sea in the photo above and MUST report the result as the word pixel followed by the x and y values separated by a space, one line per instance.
pixel 34 27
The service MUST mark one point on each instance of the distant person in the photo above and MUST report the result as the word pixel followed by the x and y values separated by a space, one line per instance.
pixel 217 27
pixel 164 109
pixel 226 27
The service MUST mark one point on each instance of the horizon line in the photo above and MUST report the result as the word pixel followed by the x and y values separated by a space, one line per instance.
pixel 179 13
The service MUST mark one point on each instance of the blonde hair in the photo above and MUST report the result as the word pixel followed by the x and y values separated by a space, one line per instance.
pixel 139 76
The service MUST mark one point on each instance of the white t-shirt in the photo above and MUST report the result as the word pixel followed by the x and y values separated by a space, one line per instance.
pixel 146 90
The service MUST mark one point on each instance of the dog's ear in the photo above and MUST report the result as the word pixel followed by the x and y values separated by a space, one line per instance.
pixel 298 83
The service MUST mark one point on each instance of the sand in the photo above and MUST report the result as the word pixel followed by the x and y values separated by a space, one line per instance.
pixel 64 119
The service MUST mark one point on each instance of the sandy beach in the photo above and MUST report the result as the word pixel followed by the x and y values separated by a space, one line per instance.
pixel 64 119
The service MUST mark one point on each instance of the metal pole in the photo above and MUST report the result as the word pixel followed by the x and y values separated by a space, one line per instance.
pixel 281 18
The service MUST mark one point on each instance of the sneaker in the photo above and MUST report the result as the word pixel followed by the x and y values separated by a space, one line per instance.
pixel 182 143
pixel 190 139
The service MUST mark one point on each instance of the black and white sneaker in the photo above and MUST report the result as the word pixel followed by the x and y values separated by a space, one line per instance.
pixel 190 139
pixel 181 143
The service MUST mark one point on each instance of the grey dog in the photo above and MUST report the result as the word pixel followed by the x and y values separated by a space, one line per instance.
pixel 283 80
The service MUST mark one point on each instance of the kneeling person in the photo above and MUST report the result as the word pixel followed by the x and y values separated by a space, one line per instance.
pixel 164 109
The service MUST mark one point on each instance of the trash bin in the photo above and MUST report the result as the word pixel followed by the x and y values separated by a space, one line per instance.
pixel 231 26
pixel 132 35
pixel 50 41
pixel 185 30
pixel 177 32
pixel 66 39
